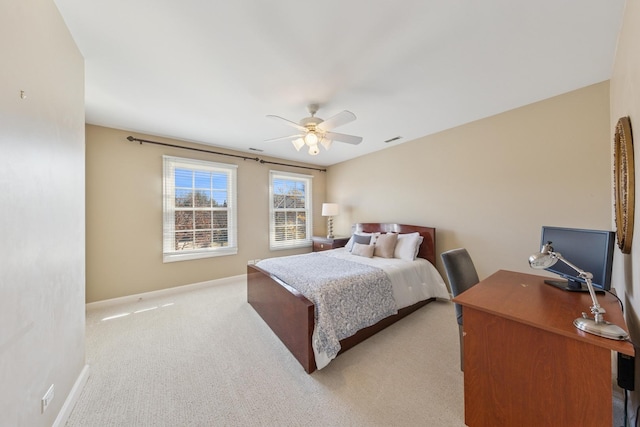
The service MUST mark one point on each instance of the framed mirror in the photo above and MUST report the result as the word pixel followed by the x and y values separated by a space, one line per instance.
pixel 624 184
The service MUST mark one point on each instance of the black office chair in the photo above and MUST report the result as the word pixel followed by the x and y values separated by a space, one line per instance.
pixel 462 275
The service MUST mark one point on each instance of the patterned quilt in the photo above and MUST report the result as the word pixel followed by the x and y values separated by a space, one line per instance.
pixel 347 295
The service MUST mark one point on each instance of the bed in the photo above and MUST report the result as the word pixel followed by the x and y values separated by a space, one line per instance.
pixel 292 316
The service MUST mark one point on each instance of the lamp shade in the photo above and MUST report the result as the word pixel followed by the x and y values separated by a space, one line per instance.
pixel 545 258
pixel 330 209
pixel 298 143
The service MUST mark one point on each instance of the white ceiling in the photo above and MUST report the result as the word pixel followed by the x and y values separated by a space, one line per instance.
pixel 209 71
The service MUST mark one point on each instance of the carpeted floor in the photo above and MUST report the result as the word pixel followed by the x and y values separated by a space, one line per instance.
pixel 203 357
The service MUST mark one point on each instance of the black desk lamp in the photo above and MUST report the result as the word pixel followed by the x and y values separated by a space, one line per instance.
pixel 596 325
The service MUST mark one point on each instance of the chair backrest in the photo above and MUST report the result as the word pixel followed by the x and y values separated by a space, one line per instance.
pixel 461 273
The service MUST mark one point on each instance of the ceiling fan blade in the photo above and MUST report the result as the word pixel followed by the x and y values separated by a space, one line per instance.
pixel 284 138
pixel 289 122
pixel 349 139
pixel 339 119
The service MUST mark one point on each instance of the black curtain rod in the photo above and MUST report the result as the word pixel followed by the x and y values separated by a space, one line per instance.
pixel 130 138
pixel 293 166
pixel 257 159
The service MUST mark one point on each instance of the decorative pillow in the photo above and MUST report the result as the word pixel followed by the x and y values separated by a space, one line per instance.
pixel 407 246
pixel 362 250
pixel 364 240
pixel 349 244
pixel 360 235
pixel 385 245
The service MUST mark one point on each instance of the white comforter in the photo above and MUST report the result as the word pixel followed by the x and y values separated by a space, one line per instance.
pixel 412 281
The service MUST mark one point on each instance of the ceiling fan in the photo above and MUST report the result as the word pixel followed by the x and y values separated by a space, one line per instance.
pixel 313 130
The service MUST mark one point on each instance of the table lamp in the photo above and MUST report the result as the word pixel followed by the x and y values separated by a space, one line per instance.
pixel 596 325
pixel 330 210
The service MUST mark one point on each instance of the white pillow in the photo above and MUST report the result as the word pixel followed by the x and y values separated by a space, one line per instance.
pixel 362 250
pixel 408 246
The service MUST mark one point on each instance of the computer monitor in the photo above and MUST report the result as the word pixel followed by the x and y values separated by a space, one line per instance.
pixel 589 250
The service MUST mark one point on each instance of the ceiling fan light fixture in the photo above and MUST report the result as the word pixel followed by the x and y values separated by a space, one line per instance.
pixel 311 138
pixel 314 131
pixel 298 143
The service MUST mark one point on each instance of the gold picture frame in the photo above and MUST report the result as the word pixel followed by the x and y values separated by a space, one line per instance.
pixel 624 184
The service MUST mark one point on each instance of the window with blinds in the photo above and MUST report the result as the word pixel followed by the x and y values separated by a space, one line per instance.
pixel 290 214
pixel 199 209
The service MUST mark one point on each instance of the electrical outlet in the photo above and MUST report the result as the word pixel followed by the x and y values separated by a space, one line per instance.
pixel 47 398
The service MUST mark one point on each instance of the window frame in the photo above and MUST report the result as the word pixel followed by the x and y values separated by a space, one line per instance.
pixel 170 164
pixel 308 209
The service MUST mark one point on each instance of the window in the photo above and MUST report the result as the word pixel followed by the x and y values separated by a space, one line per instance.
pixel 290 218
pixel 199 209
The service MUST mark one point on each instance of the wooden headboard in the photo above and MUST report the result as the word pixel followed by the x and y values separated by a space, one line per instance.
pixel 428 247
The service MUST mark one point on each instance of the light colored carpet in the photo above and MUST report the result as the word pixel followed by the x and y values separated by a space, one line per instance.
pixel 205 358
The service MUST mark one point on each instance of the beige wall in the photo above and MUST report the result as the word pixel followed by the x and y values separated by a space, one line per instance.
pixel 625 101
pixel 490 185
pixel 41 212
pixel 124 215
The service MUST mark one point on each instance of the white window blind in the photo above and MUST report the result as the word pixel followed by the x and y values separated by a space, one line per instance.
pixel 199 209
pixel 290 213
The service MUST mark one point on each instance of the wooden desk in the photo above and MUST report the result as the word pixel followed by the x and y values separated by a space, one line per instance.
pixel 525 364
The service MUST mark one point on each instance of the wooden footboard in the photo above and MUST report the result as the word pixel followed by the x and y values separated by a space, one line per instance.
pixel 287 312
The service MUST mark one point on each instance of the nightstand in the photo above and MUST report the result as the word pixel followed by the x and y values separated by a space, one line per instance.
pixel 325 243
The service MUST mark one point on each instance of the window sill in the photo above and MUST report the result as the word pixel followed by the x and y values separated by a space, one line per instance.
pixel 298 246
pixel 175 257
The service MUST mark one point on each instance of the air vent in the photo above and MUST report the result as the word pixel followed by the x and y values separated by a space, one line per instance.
pixel 395 138
pixel 256 149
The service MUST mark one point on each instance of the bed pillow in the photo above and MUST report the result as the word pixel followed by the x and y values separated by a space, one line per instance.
pixel 408 246
pixel 361 249
pixel 361 237
pixel 385 245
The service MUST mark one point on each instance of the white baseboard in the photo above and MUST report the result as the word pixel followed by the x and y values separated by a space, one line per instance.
pixel 72 398
pixel 161 292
